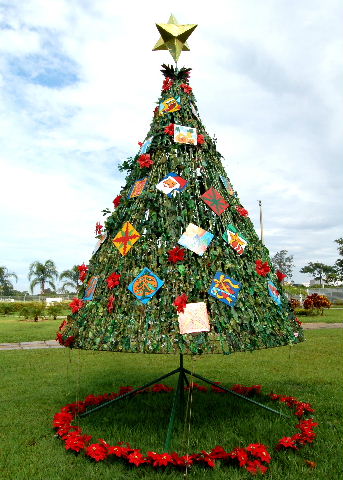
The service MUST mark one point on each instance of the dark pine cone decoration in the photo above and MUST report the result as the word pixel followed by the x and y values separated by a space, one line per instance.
pixel 170 72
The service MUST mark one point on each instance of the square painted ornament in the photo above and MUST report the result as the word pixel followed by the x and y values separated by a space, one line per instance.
pixel 100 241
pixel 227 184
pixel 274 293
pixel 196 239
pixel 215 201
pixel 170 105
pixel 90 288
pixel 138 187
pixel 194 319
pixel 171 184
pixel 146 145
pixel 225 289
pixel 126 238
pixel 184 134
pixel 235 239
pixel 145 285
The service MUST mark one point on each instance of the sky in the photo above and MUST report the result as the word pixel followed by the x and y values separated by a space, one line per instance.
pixel 78 85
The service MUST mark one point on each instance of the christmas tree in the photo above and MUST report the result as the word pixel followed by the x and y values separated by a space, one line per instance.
pixel 179 267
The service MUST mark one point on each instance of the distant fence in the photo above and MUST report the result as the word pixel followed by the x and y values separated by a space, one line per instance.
pixel 35 298
pixel 333 294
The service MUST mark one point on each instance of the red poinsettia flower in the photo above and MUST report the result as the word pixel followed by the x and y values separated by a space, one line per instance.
pixel 98 228
pixel 69 342
pixel 186 88
pixel 242 211
pixel 241 455
pixel 180 302
pixel 176 254
pixel 140 144
pixel 167 84
pixel 259 451
pixel 145 160
pixel 83 269
pixel 280 275
pixel 201 139
pixel 286 442
pixel 62 419
pixel 255 467
pixel 169 129
pixel 136 457
pixel 113 280
pixel 205 457
pixel 160 459
pixel 219 452
pixel 160 387
pixel 76 305
pixel 110 305
pixel 262 268
pixel 117 200
pixel 76 442
pixel 97 451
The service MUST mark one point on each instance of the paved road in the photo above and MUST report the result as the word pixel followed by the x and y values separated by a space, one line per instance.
pixel 54 344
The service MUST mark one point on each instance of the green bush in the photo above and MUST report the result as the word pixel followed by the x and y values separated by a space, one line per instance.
pixel 306 313
pixel 6 308
pixel 55 310
pixel 32 310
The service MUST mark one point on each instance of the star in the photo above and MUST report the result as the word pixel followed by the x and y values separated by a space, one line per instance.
pixel 173 37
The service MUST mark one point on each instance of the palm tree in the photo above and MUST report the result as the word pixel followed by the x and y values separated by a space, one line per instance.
pixel 42 273
pixel 5 285
pixel 72 279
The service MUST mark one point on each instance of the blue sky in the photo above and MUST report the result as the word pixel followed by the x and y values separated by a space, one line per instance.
pixel 78 84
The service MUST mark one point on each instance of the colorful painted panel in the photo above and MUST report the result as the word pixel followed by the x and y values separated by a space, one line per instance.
pixel 225 289
pixel 146 145
pixel 227 184
pixel 215 201
pixel 183 134
pixel 90 289
pixel 145 285
pixel 196 239
pixel 170 105
pixel 126 238
pixel 194 318
pixel 274 293
pixel 100 241
pixel 138 187
pixel 171 184
pixel 235 239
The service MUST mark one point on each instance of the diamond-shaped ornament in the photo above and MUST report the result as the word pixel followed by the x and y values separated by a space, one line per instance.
pixel 126 238
pixel 215 201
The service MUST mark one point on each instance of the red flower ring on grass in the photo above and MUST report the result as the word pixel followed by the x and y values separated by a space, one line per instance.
pixel 255 458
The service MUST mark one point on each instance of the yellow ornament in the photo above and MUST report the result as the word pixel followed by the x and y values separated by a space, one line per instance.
pixel 173 37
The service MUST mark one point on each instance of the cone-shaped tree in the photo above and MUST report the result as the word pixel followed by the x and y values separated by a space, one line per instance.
pixel 244 299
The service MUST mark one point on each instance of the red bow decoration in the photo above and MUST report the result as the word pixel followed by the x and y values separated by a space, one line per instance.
pixel 167 84
pixel 83 269
pixel 242 211
pixel 186 88
pixel 201 139
pixel 98 228
pixel 110 304
pixel 280 275
pixel 145 160
pixel 113 280
pixel 181 302
pixel 176 254
pixel 169 129
pixel 76 305
pixel 262 268
pixel 117 200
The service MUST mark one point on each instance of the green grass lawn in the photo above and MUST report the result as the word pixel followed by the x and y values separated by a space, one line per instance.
pixel 330 316
pixel 35 384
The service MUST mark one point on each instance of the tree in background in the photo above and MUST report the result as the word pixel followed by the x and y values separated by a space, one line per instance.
pixel 283 262
pixel 70 279
pixel 320 272
pixel 339 262
pixel 42 274
pixel 6 287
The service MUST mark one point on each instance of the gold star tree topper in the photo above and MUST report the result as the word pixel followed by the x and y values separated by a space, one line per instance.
pixel 173 37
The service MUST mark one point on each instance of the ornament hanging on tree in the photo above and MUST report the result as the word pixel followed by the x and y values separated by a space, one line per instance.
pixel 225 289
pixel 126 238
pixel 196 239
pixel 235 239
pixel 194 318
pixel 138 187
pixel 145 285
pixel 90 289
pixel 184 134
pixel 215 201
pixel 172 184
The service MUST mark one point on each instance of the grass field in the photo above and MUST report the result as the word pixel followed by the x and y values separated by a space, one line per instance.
pixel 15 329
pixel 35 384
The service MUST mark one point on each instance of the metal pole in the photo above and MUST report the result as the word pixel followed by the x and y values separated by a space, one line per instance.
pixel 261 220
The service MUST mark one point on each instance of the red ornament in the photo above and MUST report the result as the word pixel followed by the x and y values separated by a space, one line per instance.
pixel 280 275
pixel 83 269
pixel 140 144
pixel 167 84
pixel 201 139
pixel 181 302
pixel 177 254
pixel 145 160
pixel 262 268
pixel 169 129
pixel 76 305
pixel 110 304
pixel 156 110
pixel 98 228
pixel 242 211
pixel 186 88
pixel 117 200
pixel 113 280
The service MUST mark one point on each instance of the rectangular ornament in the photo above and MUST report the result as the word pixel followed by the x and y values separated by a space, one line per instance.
pixel 196 239
pixel 215 201
pixel 172 184
pixel 184 134
pixel 145 285
pixel 225 289
pixel 235 239
pixel 170 105
pixel 146 145
pixel 194 319
pixel 274 293
pixel 137 188
pixel 227 184
pixel 90 289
